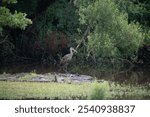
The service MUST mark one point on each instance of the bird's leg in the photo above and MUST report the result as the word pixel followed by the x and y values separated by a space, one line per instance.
pixel 65 68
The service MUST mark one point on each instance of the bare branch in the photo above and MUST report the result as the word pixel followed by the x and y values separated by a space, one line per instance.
pixel 84 36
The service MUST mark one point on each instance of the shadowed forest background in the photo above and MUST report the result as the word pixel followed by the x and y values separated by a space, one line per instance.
pixel 43 30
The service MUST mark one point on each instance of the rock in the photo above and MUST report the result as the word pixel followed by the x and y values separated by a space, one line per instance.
pixel 48 77
pixel 74 78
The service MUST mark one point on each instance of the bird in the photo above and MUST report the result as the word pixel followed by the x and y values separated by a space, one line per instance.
pixel 64 61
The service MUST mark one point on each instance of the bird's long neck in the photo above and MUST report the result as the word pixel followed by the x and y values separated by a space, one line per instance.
pixel 71 52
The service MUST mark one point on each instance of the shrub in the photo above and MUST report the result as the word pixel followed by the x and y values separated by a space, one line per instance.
pixel 99 91
pixel 111 35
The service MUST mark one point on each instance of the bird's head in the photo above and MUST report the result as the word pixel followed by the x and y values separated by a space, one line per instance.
pixel 73 50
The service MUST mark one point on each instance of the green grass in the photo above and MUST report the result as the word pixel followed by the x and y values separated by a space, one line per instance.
pixel 124 91
pixel 37 90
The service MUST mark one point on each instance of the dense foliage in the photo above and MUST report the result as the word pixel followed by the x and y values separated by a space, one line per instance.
pixel 13 20
pixel 16 20
pixel 118 28
pixel 111 35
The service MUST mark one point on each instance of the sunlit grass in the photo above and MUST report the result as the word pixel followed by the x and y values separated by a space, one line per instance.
pixel 28 90
pixel 35 90
pixel 104 90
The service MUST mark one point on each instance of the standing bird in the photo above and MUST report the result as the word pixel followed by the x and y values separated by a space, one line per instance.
pixel 64 61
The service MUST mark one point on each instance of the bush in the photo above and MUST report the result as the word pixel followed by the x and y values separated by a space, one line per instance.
pixel 99 91
pixel 111 35
pixel 12 20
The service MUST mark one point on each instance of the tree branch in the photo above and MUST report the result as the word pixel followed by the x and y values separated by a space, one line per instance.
pixel 84 36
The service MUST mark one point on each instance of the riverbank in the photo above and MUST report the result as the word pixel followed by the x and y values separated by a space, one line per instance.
pixel 40 83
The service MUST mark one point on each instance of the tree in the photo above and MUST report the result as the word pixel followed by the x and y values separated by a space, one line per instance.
pixel 111 35
pixel 11 20
pixel 138 11
pixel 16 20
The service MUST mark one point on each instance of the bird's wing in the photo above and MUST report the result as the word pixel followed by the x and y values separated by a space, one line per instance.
pixel 65 58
